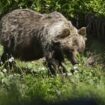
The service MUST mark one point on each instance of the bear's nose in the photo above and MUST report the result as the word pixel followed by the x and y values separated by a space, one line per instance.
pixel 74 62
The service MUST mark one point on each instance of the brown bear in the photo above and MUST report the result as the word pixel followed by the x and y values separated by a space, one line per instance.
pixel 28 35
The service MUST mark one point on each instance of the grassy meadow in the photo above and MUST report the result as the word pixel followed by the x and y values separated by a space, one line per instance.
pixel 27 83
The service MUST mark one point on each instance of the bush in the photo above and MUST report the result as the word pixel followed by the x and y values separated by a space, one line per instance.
pixel 70 8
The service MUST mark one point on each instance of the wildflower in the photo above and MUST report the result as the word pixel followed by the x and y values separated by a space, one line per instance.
pixel 75 69
pixel 69 74
pixel 11 59
pixel 4 70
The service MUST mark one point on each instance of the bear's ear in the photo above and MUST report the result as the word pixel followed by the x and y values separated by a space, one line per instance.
pixel 82 31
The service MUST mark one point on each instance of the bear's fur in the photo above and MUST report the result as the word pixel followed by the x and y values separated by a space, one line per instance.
pixel 74 43
pixel 28 35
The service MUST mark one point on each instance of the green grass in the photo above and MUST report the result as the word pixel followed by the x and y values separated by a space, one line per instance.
pixel 29 84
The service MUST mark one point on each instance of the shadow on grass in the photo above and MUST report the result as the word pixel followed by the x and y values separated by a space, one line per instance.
pixel 80 101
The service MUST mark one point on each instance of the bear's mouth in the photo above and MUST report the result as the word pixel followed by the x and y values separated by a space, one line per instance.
pixel 71 56
pixel 74 60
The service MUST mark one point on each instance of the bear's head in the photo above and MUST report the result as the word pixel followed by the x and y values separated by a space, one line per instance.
pixel 73 44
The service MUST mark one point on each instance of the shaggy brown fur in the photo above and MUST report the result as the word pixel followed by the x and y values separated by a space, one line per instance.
pixel 29 35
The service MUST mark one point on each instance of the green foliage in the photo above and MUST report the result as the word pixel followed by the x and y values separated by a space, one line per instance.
pixel 70 8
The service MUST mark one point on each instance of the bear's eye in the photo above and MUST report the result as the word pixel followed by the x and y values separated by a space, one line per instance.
pixel 66 32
